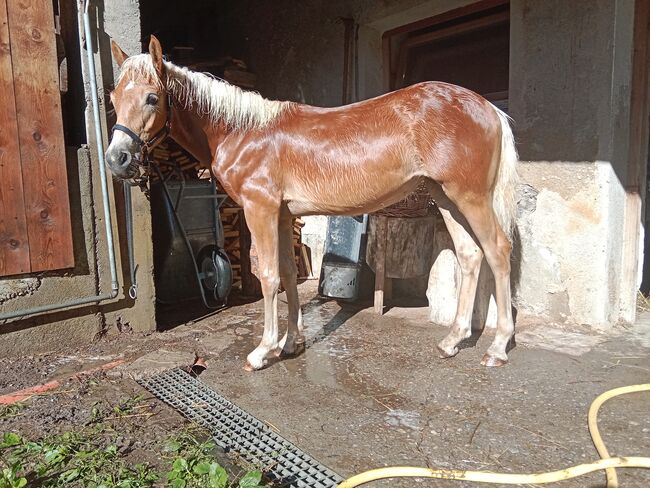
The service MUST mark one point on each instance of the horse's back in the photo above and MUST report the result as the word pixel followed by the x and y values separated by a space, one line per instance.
pixel 360 157
pixel 440 129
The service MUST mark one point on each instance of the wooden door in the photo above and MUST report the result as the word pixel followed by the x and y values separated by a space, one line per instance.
pixel 35 230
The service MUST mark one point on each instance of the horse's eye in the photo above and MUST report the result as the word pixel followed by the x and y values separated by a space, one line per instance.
pixel 152 99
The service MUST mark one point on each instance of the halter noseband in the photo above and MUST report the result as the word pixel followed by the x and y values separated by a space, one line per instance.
pixel 144 146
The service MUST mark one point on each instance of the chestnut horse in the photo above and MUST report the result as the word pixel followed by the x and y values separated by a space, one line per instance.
pixel 282 159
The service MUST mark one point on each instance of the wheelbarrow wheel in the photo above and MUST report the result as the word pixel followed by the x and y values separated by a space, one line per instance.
pixel 216 273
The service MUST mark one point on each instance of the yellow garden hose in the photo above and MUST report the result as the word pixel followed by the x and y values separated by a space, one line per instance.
pixel 606 463
pixel 592 419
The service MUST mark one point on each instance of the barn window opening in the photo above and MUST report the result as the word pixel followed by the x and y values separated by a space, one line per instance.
pixel 468 46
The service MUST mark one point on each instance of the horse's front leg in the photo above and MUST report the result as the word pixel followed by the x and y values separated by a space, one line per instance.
pixel 294 340
pixel 263 224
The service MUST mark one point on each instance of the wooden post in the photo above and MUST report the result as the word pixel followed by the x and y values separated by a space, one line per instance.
pixel 380 264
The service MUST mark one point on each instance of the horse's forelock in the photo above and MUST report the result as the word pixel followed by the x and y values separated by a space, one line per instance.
pixel 139 68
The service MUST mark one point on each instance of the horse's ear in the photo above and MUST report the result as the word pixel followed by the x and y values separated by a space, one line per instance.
pixel 155 50
pixel 119 55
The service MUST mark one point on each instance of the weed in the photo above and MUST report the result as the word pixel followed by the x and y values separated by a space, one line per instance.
pixel 194 465
pixel 70 459
pixel 90 457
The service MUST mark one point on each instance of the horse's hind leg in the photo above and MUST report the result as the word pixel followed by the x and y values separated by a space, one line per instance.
pixel 263 224
pixel 469 257
pixel 497 249
pixel 294 340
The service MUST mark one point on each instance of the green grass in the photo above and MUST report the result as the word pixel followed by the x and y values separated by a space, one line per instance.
pixel 90 457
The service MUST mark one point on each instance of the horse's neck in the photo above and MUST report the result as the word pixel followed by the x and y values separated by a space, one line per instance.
pixel 194 134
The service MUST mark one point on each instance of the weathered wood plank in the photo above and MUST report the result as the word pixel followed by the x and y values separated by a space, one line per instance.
pixel 409 248
pixel 14 243
pixel 40 133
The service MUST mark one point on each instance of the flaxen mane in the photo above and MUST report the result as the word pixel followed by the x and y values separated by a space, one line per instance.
pixel 217 99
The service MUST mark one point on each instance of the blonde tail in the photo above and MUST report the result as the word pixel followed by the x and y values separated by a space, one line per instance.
pixel 505 188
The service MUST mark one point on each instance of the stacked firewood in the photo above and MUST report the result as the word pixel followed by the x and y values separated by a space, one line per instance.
pixel 175 163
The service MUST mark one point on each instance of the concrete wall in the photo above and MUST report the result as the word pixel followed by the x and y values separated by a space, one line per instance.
pixel 570 73
pixel 74 327
pixel 570 98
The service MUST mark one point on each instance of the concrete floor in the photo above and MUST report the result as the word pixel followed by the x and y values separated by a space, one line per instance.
pixel 370 391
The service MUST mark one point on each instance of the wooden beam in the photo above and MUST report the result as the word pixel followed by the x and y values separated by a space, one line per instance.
pixel 446 16
pixel 14 242
pixel 388 75
pixel 40 133
pixel 471 25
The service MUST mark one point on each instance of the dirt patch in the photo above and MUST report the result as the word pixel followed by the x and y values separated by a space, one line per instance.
pixel 112 428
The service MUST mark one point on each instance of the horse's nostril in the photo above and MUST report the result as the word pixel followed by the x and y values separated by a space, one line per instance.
pixel 125 157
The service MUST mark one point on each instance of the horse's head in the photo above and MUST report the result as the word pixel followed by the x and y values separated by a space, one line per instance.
pixel 141 107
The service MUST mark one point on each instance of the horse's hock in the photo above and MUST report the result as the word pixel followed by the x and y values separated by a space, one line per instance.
pixel 444 284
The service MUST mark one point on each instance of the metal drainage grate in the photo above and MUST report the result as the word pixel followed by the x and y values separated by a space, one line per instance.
pixel 235 430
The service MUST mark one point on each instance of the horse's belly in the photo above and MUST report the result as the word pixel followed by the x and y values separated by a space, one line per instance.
pixel 332 199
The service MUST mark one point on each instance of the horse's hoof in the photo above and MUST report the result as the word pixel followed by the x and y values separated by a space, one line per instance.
pixel 296 350
pixel 443 354
pixel 250 367
pixel 493 361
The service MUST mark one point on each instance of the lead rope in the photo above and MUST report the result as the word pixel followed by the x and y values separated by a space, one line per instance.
pixel 133 268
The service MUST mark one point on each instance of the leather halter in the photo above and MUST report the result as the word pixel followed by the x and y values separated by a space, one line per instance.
pixel 145 146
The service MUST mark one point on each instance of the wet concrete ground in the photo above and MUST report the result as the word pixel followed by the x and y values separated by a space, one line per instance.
pixel 371 392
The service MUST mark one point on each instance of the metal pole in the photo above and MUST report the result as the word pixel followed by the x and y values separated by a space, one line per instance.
pixel 99 141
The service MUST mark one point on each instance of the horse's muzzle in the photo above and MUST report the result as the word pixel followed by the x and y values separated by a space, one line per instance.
pixel 122 163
